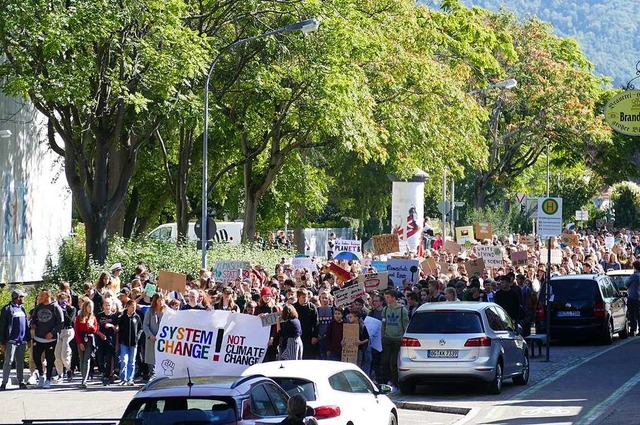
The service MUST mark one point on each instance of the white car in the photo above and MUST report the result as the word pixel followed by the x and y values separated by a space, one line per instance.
pixel 341 393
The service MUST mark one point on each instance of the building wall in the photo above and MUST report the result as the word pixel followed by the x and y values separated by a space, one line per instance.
pixel 35 199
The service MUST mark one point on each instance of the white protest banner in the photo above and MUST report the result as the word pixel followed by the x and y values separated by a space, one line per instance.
pixel 374 280
pixel 209 343
pixel 401 270
pixel 304 262
pixel 346 296
pixel 228 271
pixel 492 255
pixel 349 245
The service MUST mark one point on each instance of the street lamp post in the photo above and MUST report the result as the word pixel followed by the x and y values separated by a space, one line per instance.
pixel 306 27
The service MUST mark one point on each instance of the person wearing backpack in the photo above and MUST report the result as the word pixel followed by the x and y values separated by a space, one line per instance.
pixel 395 319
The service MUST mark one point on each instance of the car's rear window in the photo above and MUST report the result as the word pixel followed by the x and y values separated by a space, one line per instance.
pixel 180 410
pixel 297 386
pixel 569 289
pixel 445 322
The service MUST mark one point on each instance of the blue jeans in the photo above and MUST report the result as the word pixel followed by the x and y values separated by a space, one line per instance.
pixel 127 362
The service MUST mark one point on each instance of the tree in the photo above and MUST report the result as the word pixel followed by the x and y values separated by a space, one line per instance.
pixel 554 104
pixel 104 75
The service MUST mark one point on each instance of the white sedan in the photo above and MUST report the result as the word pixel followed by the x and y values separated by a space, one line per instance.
pixel 341 393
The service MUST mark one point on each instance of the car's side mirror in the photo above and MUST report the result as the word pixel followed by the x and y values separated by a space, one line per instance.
pixel 310 411
pixel 384 389
pixel 519 329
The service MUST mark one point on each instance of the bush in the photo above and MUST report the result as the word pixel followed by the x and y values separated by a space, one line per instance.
pixel 155 254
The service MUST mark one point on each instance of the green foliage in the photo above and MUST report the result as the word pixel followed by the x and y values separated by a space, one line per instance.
pixel 503 222
pixel 606 31
pixel 626 199
pixel 155 254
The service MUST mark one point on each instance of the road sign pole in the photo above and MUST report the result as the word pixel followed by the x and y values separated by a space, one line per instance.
pixel 546 298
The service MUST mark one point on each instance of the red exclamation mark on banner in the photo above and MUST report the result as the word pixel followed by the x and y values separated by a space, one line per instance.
pixel 216 357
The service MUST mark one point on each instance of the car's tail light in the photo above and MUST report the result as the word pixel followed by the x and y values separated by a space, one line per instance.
pixel 540 312
pixel 598 310
pixel 482 341
pixel 323 412
pixel 409 342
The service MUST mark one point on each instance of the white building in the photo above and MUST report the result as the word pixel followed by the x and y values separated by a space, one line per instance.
pixel 36 201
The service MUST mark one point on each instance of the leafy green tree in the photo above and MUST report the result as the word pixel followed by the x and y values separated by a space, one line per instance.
pixel 554 104
pixel 626 199
pixel 104 75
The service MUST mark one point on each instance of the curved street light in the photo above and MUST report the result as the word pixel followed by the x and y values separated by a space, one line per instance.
pixel 306 26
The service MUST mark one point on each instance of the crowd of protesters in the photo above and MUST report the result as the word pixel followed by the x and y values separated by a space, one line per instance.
pixel 108 331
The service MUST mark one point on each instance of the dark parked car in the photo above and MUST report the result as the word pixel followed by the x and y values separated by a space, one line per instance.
pixel 208 400
pixel 584 305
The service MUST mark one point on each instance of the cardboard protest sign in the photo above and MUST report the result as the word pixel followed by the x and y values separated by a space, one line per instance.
pixel 209 343
pixel 483 230
pixel 270 319
pixel 344 297
pixel 529 240
pixel 228 271
pixel 170 281
pixel 401 270
pixel 340 273
pixel 452 247
pixel 464 234
pixel 444 266
pixel 350 337
pixel 475 267
pixel 492 255
pixel 385 244
pixel 348 245
pixel 429 265
pixel 570 239
pixel 302 263
pixel 519 258
pixel 373 281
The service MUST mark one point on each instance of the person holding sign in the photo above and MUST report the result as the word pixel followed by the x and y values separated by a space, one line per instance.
pixel 289 335
pixel 151 325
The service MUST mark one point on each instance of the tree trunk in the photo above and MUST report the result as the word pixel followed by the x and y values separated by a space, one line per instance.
pixel 251 202
pixel 97 240
pixel 130 213
pixel 479 192
pixel 182 182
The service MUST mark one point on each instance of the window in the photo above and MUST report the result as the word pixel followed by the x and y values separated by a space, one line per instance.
pixel 261 403
pixel 298 386
pixel 358 383
pixel 339 382
pixel 278 398
pixel 495 322
pixel 574 289
pixel 161 234
pixel 171 410
pixel 445 322
pixel 608 291
pixel 507 323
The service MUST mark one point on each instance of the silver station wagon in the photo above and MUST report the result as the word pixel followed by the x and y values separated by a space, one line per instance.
pixel 459 342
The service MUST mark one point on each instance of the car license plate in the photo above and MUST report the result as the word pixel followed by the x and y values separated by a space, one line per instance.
pixel 442 354
pixel 568 314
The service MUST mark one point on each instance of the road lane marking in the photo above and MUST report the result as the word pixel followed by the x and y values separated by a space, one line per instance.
pixel 600 408
pixel 497 411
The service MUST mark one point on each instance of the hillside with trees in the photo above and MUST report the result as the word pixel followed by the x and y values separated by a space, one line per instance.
pixel 607 31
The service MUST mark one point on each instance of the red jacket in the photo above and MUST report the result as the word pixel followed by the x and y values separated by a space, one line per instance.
pixel 82 329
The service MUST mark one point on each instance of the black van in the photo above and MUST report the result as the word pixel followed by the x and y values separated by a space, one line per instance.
pixel 584 305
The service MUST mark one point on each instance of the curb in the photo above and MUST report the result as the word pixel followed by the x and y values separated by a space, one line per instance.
pixel 432 408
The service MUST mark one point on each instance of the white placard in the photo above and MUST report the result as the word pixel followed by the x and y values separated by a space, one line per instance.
pixel 303 262
pixel 556 256
pixel 209 343
pixel 348 245
pixel 344 297
pixel 609 241
pixel 491 255
pixel 228 271
pixel 401 270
